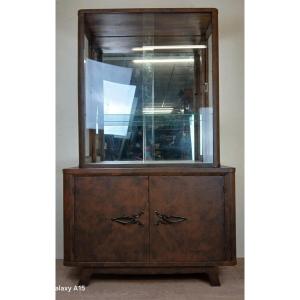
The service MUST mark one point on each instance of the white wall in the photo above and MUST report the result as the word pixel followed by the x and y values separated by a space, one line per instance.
pixel 231 35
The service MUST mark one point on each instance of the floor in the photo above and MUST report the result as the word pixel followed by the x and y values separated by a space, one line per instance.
pixel 186 287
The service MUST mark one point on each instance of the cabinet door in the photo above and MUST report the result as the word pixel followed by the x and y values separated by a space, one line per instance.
pixel 186 218
pixel 111 218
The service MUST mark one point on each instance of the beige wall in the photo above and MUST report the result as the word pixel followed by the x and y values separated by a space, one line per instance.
pixel 231 34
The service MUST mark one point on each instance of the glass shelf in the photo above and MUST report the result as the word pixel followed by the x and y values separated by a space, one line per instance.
pixel 155 137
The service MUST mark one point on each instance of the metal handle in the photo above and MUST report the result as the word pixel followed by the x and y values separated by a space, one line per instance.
pixel 164 219
pixel 133 219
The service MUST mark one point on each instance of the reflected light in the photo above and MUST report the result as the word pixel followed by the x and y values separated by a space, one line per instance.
pixel 157 110
pixel 163 60
pixel 152 48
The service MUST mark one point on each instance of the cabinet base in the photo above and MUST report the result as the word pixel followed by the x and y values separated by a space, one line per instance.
pixel 212 272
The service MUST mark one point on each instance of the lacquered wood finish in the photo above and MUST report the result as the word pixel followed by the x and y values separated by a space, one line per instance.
pixel 98 200
pixel 199 199
pixel 69 210
pixel 81 89
pixel 146 10
pixel 215 87
pixel 124 24
pixel 203 196
pixel 146 169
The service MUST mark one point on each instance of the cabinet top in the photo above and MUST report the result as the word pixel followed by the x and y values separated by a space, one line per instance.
pixel 147 171
pixel 148 10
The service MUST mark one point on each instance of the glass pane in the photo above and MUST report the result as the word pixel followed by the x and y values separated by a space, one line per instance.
pixel 148 96
pixel 206 112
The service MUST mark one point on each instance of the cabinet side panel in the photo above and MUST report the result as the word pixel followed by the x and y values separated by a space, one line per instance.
pixel 68 217
pixel 230 229
pixel 215 82
pixel 81 90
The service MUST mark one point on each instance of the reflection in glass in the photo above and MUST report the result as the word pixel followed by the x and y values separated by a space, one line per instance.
pixel 118 107
pixel 142 105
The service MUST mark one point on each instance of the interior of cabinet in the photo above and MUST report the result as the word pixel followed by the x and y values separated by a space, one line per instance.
pixel 147 88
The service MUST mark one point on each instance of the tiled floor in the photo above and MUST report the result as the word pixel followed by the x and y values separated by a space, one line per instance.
pixel 153 287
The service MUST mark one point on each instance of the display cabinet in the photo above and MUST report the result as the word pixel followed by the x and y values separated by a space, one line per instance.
pixel 149 195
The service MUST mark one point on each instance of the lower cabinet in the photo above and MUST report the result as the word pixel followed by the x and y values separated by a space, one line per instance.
pixel 149 222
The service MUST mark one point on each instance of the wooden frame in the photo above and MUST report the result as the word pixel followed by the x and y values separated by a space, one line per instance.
pixel 83 29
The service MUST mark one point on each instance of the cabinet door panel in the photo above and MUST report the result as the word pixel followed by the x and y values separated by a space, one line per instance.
pixel 102 205
pixel 190 213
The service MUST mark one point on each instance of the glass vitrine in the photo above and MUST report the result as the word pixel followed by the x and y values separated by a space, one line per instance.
pixel 148 87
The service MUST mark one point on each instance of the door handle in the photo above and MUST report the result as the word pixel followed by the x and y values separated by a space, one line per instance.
pixel 164 219
pixel 133 219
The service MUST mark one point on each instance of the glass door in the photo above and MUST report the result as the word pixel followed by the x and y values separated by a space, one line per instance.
pixel 148 89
